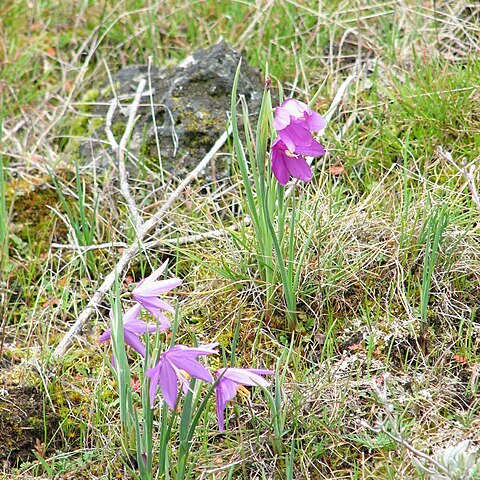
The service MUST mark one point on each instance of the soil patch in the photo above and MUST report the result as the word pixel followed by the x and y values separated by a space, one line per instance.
pixel 27 424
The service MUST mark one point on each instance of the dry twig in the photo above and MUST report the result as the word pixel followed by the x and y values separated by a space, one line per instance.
pixel 394 433
pixel 468 173
pixel 133 249
pixel 121 149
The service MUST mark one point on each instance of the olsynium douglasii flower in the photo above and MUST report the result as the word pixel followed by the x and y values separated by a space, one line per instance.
pixel 172 368
pixel 295 121
pixel 149 289
pixel 233 380
pixel 133 327
pixel 286 164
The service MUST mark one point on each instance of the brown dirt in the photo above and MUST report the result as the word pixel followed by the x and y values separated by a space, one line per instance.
pixel 26 424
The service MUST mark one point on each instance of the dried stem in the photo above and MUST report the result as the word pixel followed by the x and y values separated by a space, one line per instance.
pixel 133 249
pixel 108 124
pixel 122 148
pixel 468 174
pixel 394 433
pixel 185 240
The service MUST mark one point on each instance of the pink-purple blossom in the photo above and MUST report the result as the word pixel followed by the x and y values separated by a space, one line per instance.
pixel 232 380
pixel 176 366
pixel 149 289
pixel 133 327
pixel 286 164
pixel 295 121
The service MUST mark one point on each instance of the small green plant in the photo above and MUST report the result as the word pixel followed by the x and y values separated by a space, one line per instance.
pixel 176 366
pixel 432 236
pixel 82 218
pixel 274 212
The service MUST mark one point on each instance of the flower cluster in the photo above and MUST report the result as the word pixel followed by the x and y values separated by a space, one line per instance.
pixel 179 363
pixel 295 121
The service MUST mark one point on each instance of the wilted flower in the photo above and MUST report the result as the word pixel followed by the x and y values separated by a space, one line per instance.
pixel 148 290
pixel 286 164
pixel 294 122
pixel 133 327
pixel 173 367
pixel 231 381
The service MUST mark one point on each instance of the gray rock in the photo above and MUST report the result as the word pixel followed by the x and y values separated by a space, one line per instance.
pixel 191 108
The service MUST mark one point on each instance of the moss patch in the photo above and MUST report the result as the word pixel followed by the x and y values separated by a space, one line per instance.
pixel 33 217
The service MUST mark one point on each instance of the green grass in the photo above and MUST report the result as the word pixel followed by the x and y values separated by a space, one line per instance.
pixel 389 282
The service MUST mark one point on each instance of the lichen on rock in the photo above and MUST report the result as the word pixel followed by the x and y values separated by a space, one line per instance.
pixel 190 103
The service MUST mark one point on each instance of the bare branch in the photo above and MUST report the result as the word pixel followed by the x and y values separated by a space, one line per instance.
pixel 129 253
pixel 394 433
pixel 185 240
pixel 122 147
pixel 467 172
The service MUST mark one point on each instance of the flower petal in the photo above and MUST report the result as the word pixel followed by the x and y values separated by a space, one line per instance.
pixel 315 122
pixel 315 149
pixel 279 168
pixel 105 336
pixel 156 273
pixel 154 305
pixel 152 289
pixel 295 107
pixel 246 376
pixel 182 351
pixel 224 391
pixel 281 119
pixel 295 136
pixel 228 388
pixel 221 403
pixel 260 371
pixel 132 313
pixel 299 168
pixel 137 327
pixel 154 375
pixel 134 342
pixel 163 321
pixel 168 384
pixel 195 369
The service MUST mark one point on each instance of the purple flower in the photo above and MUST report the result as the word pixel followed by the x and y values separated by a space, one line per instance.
pixel 286 164
pixel 232 381
pixel 294 122
pixel 133 327
pixel 176 365
pixel 148 290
